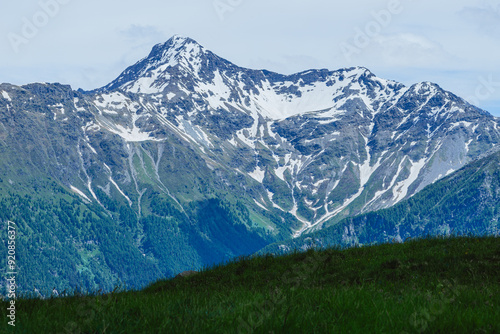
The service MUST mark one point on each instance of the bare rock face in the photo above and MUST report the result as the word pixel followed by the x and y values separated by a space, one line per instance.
pixel 186 273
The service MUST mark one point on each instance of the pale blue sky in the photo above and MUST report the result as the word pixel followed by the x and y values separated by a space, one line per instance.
pixel 88 43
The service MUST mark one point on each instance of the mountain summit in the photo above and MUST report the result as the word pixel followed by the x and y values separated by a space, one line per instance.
pixel 162 56
pixel 187 159
pixel 183 69
pixel 151 74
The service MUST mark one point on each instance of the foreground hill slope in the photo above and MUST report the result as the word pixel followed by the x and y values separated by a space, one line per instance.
pixel 432 285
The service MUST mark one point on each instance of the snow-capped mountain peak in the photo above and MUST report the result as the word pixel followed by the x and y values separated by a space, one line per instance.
pixel 150 73
pixel 181 69
pixel 177 50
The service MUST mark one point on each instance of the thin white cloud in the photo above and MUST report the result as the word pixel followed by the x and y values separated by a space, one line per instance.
pixel 137 32
pixel 485 18
pixel 409 50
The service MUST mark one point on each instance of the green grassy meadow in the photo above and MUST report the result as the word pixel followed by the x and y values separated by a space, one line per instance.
pixel 447 285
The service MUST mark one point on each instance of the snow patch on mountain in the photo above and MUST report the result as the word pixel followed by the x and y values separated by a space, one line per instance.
pixel 258 174
pixel 400 190
pixel 6 96
pixel 81 193
pixel 130 134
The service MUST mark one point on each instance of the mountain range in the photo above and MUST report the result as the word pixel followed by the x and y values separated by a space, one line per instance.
pixel 186 160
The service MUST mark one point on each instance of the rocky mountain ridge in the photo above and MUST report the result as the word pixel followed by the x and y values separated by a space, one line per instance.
pixel 360 125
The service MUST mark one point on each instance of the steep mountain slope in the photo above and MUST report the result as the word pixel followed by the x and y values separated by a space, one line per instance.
pixel 91 210
pixel 192 159
pixel 466 202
